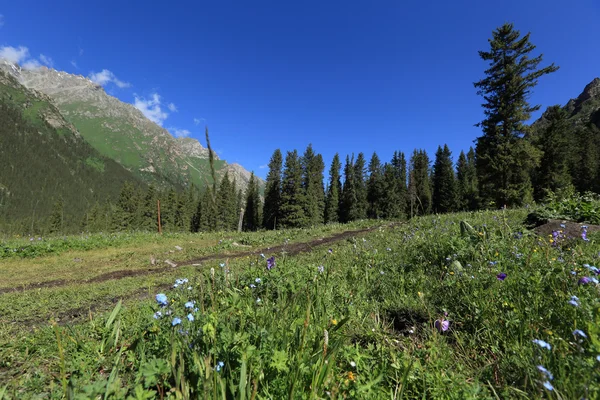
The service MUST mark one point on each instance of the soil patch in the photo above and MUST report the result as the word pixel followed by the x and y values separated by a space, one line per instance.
pixel 570 229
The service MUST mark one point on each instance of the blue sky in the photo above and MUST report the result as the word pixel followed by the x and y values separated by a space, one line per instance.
pixel 345 76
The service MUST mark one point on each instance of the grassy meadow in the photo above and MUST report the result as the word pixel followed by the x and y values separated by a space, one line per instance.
pixel 459 306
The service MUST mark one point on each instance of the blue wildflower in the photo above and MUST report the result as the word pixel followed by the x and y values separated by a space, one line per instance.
pixel 584 280
pixel 542 344
pixel 545 372
pixel 321 269
pixel 157 315
pixel 190 304
pixel 258 300
pixel 574 301
pixel 222 265
pixel 190 317
pixel 262 255
pixel 176 321
pixel 257 280
pixel 563 226
pixel 598 357
pixel 579 332
pixel 252 285
pixel 548 386
pixel 501 276
pixel 161 298
pixel 219 366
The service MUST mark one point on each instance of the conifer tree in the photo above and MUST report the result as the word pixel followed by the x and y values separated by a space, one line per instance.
pixel 271 209
pixel 226 204
pixel 553 141
pixel 466 182
pixel 57 217
pixel 208 211
pixel 399 167
pixel 125 212
pixel 149 209
pixel 586 173
pixel 375 187
pixel 505 156
pixel 252 207
pixel 444 182
pixel 348 203
pixel 334 191
pixel 391 205
pixel 360 181
pixel 419 183
pixel 312 184
pixel 292 193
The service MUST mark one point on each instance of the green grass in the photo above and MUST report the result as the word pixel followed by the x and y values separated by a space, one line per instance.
pixel 356 322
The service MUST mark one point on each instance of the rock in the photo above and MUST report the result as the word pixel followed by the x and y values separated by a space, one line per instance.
pixel 178 248
pixel 170 263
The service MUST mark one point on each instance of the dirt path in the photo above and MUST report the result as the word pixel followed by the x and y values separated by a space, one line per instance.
pixel 292 249
pixel 106 303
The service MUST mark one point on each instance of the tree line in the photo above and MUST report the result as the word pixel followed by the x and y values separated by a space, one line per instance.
pixel 513 163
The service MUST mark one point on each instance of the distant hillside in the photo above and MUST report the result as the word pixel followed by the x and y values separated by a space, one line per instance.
pixel 44 162
pixel 120 131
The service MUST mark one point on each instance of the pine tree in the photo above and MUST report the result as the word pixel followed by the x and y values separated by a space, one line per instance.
pixel 272 206
pixel 586 166
pixel 505 157
pixel 226 205
pixel 419 183
pixel 57 217
pixel 292 193
pixel 208 212
pixel 334 191
pixel 126 209
pixel 397 208
pixel 149 208
pixel 553 141
pixel 348 203
pixel 466 182
pixel 375 187
pixel 360 181
pixel 444 182
pixel 312 183
pixel 252 213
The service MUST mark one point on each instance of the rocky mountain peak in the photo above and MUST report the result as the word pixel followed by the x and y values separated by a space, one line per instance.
pixel 592 90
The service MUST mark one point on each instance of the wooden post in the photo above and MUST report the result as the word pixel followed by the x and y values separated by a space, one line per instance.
pixel 159 225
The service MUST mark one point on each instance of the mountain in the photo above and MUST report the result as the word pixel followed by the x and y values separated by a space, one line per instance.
pixel 583 110
pixel 46 166
pixel 120 131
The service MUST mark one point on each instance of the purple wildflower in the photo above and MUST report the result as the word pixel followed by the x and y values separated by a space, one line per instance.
pixel 584 280
pixel 270 263
pixel 442 324
pixel 501 276
pixel 574 301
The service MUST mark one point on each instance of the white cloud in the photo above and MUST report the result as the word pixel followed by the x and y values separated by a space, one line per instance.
pixel 47 61
pixel 1 20
pixel 80 52
pixel 179 133
pixel 73 63
pixel 105 76
pixel 31 64
pixel 197 121
pixel 172 107
pixel 151 108
pixel 13 54
pixel 263 166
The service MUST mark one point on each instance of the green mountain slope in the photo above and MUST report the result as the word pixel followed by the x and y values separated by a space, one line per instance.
pixel 120 131
pixel 44 162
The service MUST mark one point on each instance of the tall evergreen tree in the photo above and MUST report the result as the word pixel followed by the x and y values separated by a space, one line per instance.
pixel 375 187
pixel 586 159
pixel 466 182
pixel 271 209
pixel 57 217
pixel 312 183
pixel 252 207
pixel 419 183
pixel 292 193
pixel 227 204
pixel 399 166
pixel 553 141
pixel 360 181
pixel 334 191
pixel 348 203
pixel 124 215
pixel 444 182
pixel 505 157
pixel 148 217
